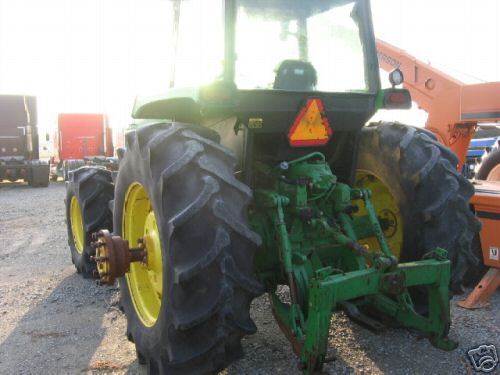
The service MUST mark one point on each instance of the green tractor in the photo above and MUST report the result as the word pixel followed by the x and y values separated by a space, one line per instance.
pixel 266 179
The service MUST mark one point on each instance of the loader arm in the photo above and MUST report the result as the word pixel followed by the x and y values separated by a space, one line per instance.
pixel 454 108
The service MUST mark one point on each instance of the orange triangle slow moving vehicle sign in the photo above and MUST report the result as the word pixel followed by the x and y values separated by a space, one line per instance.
pixel 311 126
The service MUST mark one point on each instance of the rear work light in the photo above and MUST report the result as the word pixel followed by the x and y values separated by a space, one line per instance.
pixel 311 126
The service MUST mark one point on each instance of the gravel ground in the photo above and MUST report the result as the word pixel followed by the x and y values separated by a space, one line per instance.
pixel 54 322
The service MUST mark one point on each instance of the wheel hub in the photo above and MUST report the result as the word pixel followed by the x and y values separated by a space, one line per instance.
pixel 113 256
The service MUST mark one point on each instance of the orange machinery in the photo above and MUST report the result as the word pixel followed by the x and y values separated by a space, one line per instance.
pixel 454 111
pixel 454 108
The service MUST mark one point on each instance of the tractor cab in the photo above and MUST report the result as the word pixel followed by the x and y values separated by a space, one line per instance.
pixel 260 63
pixel 324 46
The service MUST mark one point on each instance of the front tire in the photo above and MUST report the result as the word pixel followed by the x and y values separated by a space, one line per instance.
pixel 430 198
pixel 87 196
pixel 176 189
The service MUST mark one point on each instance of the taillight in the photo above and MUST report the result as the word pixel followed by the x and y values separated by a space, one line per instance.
pixel 396 99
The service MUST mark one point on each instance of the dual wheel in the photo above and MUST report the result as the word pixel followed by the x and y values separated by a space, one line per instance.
pixel 187 303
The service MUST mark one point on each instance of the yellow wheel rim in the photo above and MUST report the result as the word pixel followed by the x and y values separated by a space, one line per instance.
pixel 145 279
pixel 76 224
pixel 386 208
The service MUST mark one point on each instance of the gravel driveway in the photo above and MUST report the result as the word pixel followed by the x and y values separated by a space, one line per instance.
pixel 54 322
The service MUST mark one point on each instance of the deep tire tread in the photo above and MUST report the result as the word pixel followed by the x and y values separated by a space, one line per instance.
pixel 220 210
pixel 182 322
pixel 436 193
pixel 214 202
pixel 225 152
pixel 249 284
pixel 192 150
pixel 221 241
pixel 211 186
pixel 205 164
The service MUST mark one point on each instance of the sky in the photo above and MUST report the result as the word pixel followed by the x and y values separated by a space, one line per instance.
pixel 97 55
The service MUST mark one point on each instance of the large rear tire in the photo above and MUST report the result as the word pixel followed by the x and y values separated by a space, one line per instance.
pixel 188 309
pixel 88 193
pixel 430 197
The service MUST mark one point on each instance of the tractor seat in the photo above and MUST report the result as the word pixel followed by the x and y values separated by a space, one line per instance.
pixel 295 75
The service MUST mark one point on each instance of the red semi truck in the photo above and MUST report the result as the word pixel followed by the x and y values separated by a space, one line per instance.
pixel 19 154
pixel 82 139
